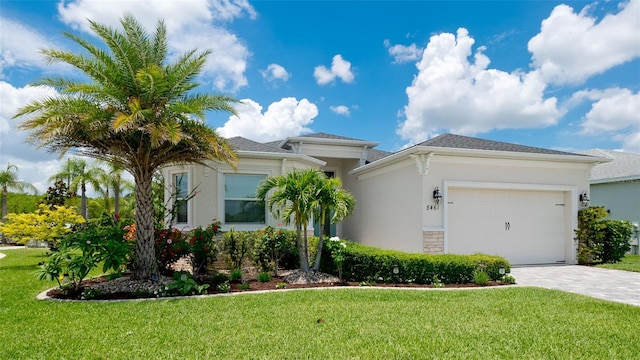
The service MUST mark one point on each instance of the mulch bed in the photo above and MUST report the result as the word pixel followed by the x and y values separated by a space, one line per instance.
pixel 274 284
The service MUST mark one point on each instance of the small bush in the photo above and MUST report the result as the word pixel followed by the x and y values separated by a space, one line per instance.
pixel 236 274
pixel 264 277
pixel 236 246
pixel 245 286
pixel 480 277
pixel 508 279
pixel 219 279
pixel 224 287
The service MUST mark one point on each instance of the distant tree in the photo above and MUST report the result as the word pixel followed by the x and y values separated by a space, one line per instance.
pixel 46 224
pixel 57 194
pixel 79 174
pixel 137 110
pixel 9 180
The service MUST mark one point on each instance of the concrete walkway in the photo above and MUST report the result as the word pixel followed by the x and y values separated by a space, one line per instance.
pixel 606 284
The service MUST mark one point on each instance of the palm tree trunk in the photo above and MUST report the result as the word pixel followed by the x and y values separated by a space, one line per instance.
pixel 116 201
pixel 316 266
pixel 302 249
pixel 83 202
pixel 144 256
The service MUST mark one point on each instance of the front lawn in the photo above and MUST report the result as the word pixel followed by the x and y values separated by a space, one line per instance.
pixel 629 263
pixel 344 323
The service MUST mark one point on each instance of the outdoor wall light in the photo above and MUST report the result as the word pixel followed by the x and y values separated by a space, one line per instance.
pixel 584 199
pixel 437 197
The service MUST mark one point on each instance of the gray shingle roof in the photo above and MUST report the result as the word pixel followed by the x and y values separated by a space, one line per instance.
pixel 239 143
pixel 328 136
pixel 624 165
pixel 466 142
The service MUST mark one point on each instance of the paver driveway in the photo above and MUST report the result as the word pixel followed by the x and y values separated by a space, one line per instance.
pixel 607 284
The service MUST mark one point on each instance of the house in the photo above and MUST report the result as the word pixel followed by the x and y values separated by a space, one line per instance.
pixel 616 186
pixel 449 194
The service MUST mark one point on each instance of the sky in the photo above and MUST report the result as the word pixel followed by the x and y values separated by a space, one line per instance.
pixel 550 74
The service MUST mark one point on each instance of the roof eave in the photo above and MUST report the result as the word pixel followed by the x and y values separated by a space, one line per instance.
pixel 478 153
pixel 277 156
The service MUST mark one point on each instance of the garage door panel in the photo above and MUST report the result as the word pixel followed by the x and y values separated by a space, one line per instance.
pixel 526 227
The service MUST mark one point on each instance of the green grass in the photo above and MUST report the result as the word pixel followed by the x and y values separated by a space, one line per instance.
pixel 356 323
pixel 629 263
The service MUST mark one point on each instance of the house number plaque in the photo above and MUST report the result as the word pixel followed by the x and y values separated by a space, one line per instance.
pixel 433 207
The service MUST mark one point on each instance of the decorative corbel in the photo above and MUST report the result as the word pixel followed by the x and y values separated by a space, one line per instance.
pixel 422 162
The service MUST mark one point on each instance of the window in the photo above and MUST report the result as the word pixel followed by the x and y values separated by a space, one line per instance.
pixel 240 202
pixel 181 186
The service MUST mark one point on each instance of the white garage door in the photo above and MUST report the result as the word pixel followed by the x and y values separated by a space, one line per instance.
pixel 526 227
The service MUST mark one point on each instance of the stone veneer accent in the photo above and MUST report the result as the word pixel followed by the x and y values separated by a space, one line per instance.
pixel 433 242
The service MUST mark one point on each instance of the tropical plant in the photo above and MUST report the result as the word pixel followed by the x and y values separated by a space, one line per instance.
pixel 292 197
pixel 137 111
pixel 9 180
pixel 203 246
pixel 79 174
pixel 333 200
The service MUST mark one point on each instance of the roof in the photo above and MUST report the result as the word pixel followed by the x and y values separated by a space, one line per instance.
pixel 466 142
pixel 624 166
pixel 239 143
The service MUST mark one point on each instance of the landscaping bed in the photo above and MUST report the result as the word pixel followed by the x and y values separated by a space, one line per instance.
pixel 127 288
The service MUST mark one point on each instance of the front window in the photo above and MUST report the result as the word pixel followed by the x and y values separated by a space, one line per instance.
pixel 181 186
pixel 240 202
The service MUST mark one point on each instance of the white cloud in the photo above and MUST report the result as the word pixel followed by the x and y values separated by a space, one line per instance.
pixel 275 72
pixel 451 92
pixel 401 53
pixel 287 117
pixel 615 112
pixel 192 24
pixel 35 166
pixel 340 68
pixel 341 110
pixel 21 46
pixel 571 46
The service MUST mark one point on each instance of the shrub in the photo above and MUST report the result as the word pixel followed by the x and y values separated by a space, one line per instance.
pixel 183 284
pixel 224 287
pixel 363 263
pixel 203 248
pixel 236 274
pixel 219 279
pixel 480 277
pixel 236 247
pixel 264 277
pixel 170 245
pixel 82 251
pixel 269 248
pixel 599 239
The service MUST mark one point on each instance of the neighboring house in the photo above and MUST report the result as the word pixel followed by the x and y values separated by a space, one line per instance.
pixel 497 198
pixel 616 185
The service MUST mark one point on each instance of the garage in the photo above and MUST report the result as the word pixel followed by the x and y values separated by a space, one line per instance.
pixel 524 226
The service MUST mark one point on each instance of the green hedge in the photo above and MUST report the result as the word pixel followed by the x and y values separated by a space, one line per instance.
pixel 366 263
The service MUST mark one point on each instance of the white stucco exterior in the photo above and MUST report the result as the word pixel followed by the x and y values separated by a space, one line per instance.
pixel 526 199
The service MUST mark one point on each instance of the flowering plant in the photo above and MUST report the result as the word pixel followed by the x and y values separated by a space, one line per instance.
pixel 203 246
pixel 171 245
pixel 337 248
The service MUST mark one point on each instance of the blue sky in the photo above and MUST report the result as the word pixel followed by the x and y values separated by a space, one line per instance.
pixel 553 74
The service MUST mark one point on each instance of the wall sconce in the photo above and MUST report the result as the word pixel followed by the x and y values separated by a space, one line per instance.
pixel 584 199
pixel 437 196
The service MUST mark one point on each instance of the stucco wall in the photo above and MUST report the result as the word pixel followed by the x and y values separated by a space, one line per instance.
pixel 396 204
pixel 623 199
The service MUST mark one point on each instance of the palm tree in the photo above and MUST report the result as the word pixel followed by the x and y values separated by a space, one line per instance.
pixel 331 199
pixel 79 174
pixel 136 110
pixel 9 180
pixel 293 197
pixel 111 179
